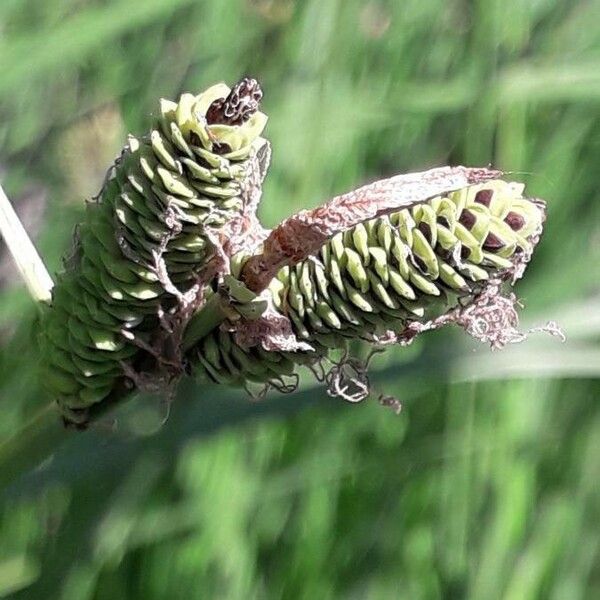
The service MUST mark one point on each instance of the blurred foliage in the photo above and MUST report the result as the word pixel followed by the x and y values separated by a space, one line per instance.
pixel 480 490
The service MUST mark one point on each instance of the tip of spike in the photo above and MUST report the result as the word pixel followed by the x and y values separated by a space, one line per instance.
pixel 241 103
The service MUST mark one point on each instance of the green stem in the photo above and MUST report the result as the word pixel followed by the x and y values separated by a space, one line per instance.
pixel 211 315
pixel 43 434
pixel 28 447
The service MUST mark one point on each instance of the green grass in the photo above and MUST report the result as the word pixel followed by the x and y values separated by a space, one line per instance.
pixel 486 486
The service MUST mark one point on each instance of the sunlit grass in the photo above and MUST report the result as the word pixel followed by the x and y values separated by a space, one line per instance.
pixel 485 486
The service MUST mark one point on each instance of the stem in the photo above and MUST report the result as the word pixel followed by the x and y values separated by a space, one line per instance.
pixel 31 445
pixel 40 437
pixel 28 261
pixel 211 315
pixel 43 434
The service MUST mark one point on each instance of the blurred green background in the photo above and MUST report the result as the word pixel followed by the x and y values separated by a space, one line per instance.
pixel 487 485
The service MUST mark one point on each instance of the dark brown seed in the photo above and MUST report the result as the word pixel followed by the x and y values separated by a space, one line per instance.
pixel 464 252
pixel 443 254
pixel 420 264
pixel 195 139
pixel 484 197
pixel 493 242
pixel 443 221
pixel 467 219
pixel 221 148
pixel 426 231
pixel 514 220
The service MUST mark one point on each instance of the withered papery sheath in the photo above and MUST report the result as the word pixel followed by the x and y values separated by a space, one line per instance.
pixel 175 224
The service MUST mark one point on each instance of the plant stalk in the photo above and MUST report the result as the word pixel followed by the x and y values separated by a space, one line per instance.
pixel 211 315
pixel 28 447
pixel 28 261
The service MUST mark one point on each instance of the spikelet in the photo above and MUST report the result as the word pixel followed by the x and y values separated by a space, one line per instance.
pixel 145 240
pixel 382 275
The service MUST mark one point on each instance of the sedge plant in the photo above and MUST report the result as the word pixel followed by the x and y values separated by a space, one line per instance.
pixel 171 272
